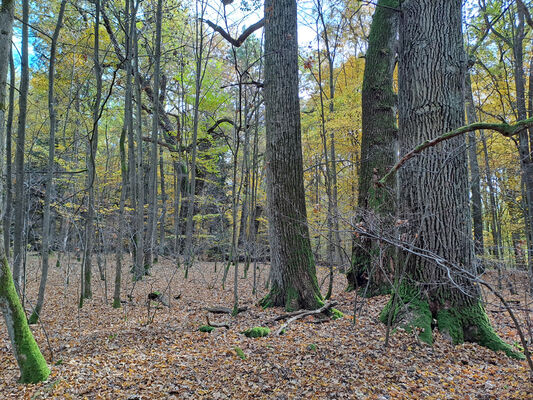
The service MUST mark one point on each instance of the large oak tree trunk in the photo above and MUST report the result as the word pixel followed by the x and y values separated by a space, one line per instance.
pixel 293 274
pixel 434 185
pixel 378 153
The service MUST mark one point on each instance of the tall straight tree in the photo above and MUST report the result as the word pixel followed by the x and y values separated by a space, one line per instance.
pixel 32 364
pixel 378 151
pixel 19 154
pixel 152 192
pixel 8 159
pixel 293 273
pixel 50 168
pixel 434 185
pixel 91 164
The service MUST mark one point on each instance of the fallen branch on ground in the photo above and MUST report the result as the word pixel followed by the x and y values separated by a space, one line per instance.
pixel 225 310
pixel 214 324
pixel 327 305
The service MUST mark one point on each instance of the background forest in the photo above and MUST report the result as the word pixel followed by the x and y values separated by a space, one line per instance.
pixel 136 164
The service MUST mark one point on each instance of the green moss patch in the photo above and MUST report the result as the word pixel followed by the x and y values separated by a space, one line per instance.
pixel 206 328
pixel 256 332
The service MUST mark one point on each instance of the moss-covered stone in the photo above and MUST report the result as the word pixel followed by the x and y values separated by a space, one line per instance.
pixel 256 332
pixel 206 328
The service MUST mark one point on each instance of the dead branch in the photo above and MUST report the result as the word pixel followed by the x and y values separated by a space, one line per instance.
pixel 327 305
pixel 240 40
pixel 507 130
pixel 225 310
pixel 214 324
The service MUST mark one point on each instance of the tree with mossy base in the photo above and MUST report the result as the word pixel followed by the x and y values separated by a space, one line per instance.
pixel 293 274
pixel 370 266
pixel 31 363
pixel 434 184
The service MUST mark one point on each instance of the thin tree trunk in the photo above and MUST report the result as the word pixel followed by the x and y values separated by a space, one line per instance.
pixel 9 172
pixel 152 181
pixel 91 165
pixel 138 272
pixel 496 236
pixel 161 246
pixel 19 154
pixel 127 129
pixel 475 190
pixel 198 54
pixel 45 251
pixel 32 364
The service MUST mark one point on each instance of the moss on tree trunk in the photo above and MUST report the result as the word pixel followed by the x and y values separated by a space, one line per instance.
pixel 466 323
pixel 371 261
pixel 32 364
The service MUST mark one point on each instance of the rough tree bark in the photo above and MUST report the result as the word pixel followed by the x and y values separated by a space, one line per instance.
pixel 32 364
pixel 293 273
pixel 378 153
pixel 434 185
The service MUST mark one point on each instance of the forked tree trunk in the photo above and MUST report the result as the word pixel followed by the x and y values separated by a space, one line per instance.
pixel 434 185
pixel 32 364
pixel 378 153
pixel 293 275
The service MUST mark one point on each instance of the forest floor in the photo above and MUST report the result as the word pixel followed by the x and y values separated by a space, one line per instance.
pixel 98 352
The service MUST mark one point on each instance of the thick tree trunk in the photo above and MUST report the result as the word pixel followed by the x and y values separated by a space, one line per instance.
pixel 293 274
pixel 31 363
pixel 378 153
pixel 50 169
pixel 434 185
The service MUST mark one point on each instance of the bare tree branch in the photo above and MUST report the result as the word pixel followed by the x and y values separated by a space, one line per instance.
pixel 505 129
pixel 240 40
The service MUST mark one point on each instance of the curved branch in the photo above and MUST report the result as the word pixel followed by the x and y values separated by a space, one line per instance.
pixel 240 40
pixel 505 129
